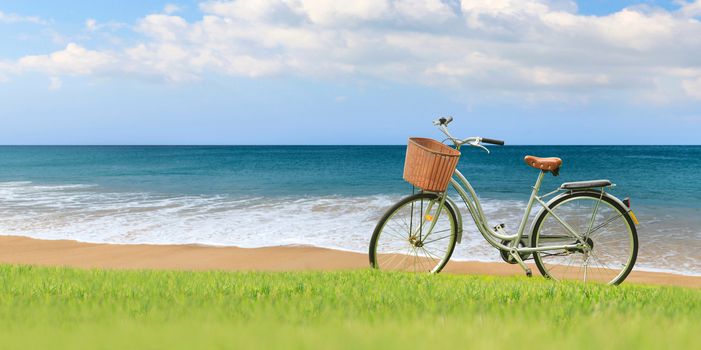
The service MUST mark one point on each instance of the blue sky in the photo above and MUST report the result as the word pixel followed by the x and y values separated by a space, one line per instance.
pixel 374 72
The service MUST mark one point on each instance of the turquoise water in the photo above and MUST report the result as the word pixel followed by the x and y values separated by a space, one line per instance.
pixel 319 195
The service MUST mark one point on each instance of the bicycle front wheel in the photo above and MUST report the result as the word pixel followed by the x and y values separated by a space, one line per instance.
pixel 607 229
pixel 402 240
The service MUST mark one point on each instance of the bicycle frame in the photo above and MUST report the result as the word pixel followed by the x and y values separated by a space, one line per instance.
pixel 493 236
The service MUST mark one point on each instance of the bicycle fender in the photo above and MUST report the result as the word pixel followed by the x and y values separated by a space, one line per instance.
pixel 456 210
pixel 567 193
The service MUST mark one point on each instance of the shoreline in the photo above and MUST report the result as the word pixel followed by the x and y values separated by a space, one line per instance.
pixel 192 257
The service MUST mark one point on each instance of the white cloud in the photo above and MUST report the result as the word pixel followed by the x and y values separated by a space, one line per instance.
pixel 55 83
pixel 425 10
pixel 73 60
pixel 526 47
pixel 170 9
pixel 693 87
pixel 250 10
pixel 92 25
pixel 164 28
pixel 691 9
pixel 15 18
pixel 332 12
pixel 5 69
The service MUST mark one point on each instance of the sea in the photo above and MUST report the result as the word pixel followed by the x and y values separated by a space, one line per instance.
pixel 325 196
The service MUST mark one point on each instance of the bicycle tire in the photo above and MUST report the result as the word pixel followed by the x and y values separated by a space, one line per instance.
pixel 608 199
pixel 377 233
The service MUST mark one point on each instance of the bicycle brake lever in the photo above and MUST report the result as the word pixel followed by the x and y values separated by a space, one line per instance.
pixel 478 145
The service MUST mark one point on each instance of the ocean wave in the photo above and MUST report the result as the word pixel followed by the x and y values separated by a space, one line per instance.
pixel 653 157
pixel 88 213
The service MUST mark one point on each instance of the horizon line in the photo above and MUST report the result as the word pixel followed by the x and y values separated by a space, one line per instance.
pixel 310 145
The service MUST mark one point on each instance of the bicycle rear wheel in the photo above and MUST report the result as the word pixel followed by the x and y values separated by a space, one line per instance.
pixel 606 227
pixel 401 241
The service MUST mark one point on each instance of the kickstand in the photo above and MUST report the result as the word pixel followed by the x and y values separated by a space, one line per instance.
pixel 514 254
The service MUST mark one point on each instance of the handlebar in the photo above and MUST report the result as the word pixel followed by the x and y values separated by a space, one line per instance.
pixel 493 141
pixel 443 121
pixel 475 141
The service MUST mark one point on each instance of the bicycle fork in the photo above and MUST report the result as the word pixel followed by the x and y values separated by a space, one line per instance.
pixel 433 218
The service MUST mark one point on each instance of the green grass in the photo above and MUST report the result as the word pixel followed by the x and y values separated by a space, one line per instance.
pixel 71 308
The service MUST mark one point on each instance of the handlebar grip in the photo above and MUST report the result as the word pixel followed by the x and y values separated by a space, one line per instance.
pixel 493 141
pixel 445 120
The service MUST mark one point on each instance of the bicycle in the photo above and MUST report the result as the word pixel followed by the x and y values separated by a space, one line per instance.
pixel 581 232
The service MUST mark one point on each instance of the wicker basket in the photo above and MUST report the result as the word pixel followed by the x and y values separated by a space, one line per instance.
pixel 429 164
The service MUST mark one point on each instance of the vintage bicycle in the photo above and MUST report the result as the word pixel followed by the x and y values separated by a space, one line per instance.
pixel 582 232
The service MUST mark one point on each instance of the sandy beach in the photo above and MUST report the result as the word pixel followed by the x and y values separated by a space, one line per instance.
pixel 22 250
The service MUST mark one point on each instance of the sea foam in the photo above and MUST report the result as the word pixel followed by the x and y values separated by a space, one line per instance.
pixel 87 213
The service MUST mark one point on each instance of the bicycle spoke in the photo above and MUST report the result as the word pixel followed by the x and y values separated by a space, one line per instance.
pixel 392 258
pixel 609 241
pixel 604 224
pixel 404 259
pixel 428 260
pixel 399 235
pixel 421 220
pixel 398 226
pixel 600 262
pixel 395 238
pixel 603 268
pixel 401 255
pixel 438 239
pixel 571 262
pixel 407 225
pixel 403 242
pixel 591 222
pixel 564 264
pixel 433 250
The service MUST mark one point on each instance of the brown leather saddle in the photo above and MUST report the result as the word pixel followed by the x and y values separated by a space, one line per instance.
pixel 551 165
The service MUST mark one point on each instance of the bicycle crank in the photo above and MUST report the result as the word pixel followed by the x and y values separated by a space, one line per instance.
pixel 506 256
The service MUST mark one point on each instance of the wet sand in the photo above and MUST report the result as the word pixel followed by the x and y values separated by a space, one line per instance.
pixel 22 250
